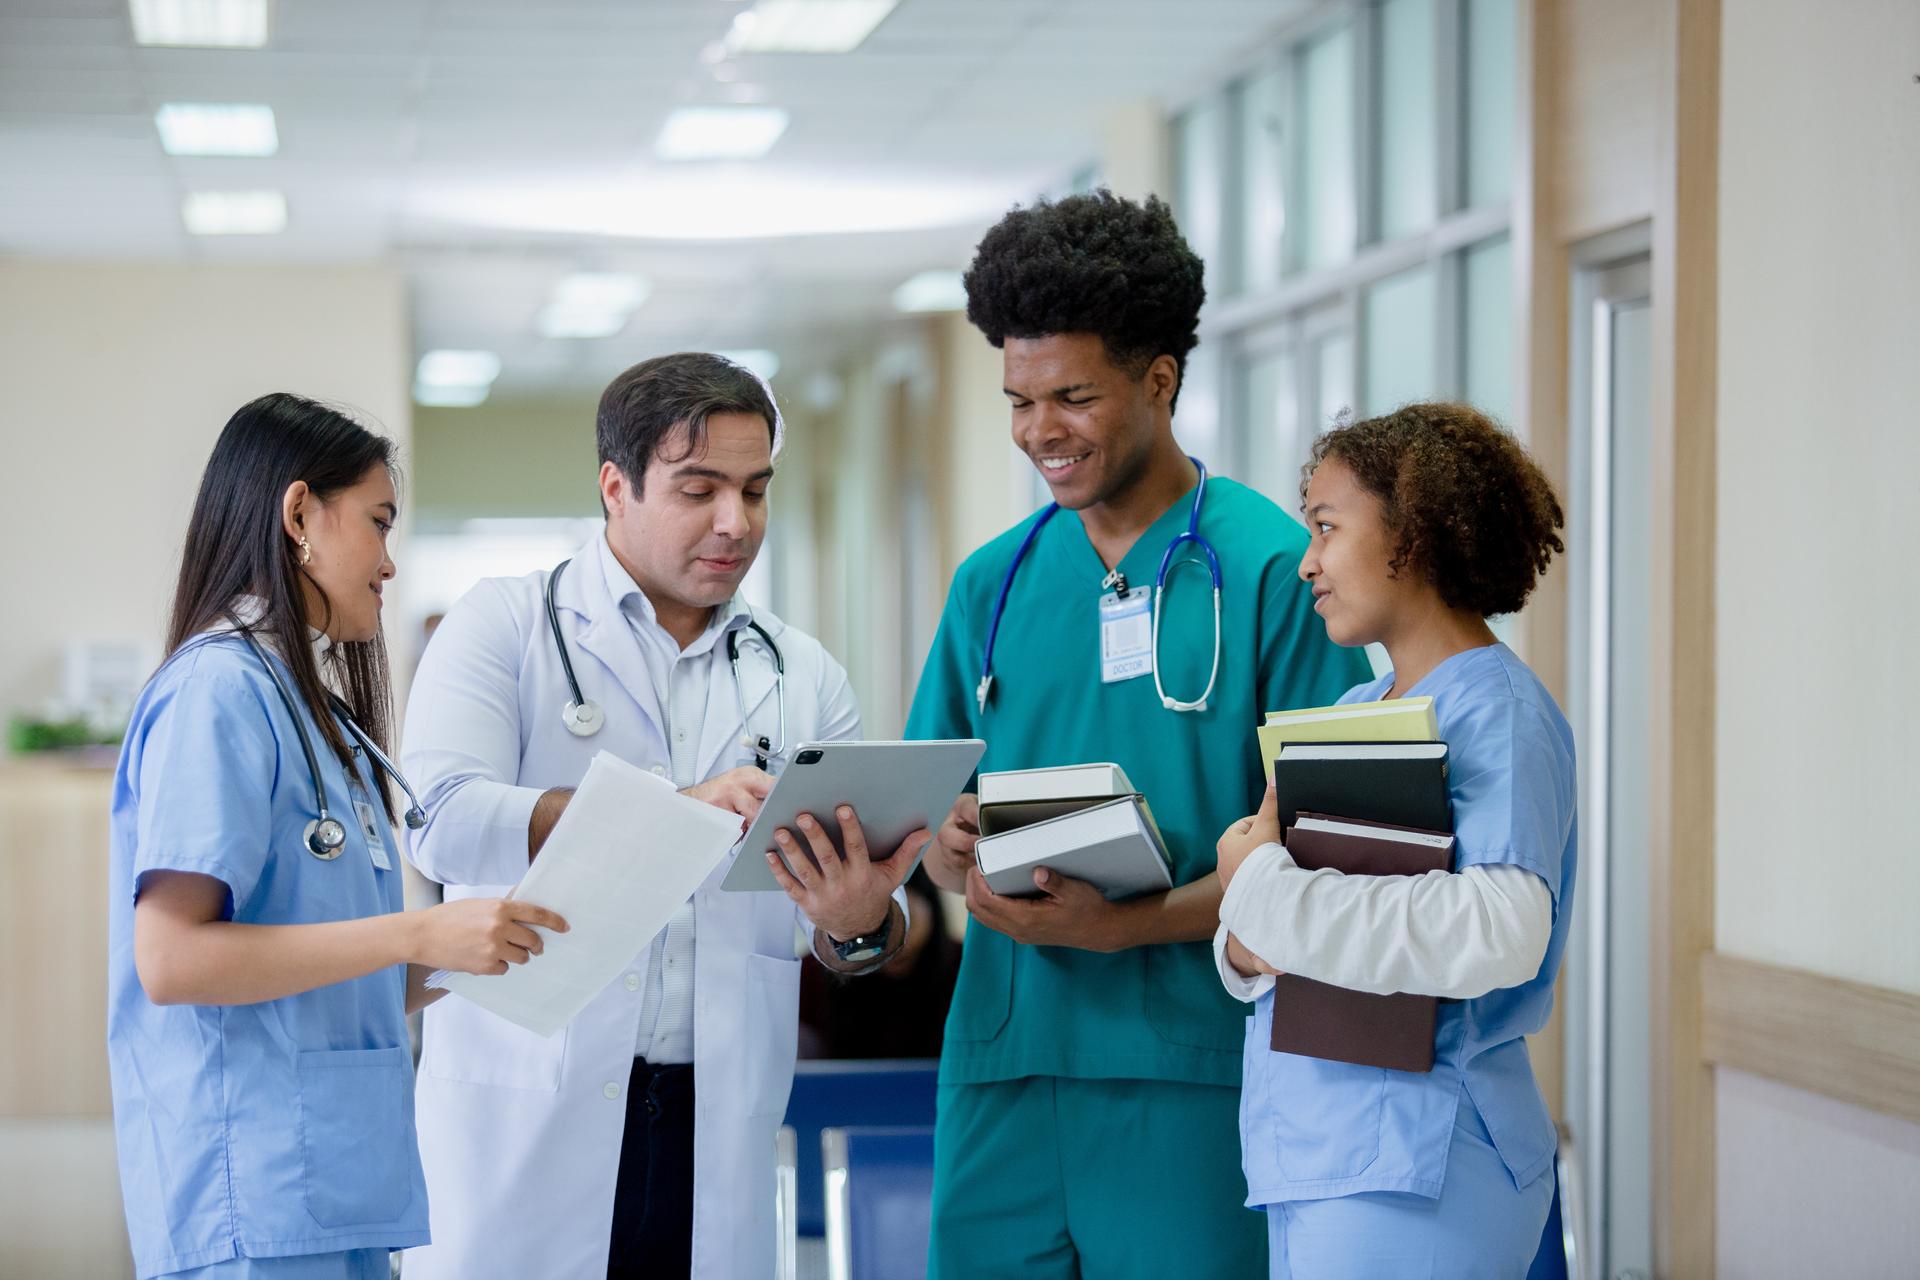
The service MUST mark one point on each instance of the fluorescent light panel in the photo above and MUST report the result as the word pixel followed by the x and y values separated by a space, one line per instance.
pixel 203 24
pixel 931 291
pixel 216 129
pixel 452 368
pixel 762 361
pixel 591 304
pixel 720 133
pixel 235 213
pixel 806 26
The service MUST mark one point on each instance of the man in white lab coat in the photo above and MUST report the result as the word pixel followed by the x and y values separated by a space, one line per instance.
pixel 639 1140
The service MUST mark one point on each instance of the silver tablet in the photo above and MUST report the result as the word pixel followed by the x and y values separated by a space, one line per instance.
pixel 894 787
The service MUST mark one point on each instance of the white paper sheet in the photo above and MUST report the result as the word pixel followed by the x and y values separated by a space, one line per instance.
pixel 625 854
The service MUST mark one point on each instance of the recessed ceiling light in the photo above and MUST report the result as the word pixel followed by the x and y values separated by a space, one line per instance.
pixel 591 304
pixel 451 397
pixel 931 291
pixel 216 129
pixel 455 368
pixel 235 213
pixel 762 361
pixel 204 24
pixel 806 26
pixel 720 133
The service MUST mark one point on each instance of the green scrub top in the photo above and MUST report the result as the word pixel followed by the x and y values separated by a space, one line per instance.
pixel 1151 1012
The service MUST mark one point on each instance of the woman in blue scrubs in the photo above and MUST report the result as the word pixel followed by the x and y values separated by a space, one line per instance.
pixel 258 990
pixel 1423 524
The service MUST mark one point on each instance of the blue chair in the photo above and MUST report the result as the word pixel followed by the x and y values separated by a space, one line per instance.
pixel 842 1093
pixel 879 1200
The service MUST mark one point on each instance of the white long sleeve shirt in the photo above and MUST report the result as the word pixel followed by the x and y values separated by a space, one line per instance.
pixel 1458 935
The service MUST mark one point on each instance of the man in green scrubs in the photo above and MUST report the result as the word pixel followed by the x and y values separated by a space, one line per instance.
pixel 1090 1084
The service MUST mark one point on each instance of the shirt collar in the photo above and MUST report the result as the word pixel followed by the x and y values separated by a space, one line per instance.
pixel 638 609
pixel 249 609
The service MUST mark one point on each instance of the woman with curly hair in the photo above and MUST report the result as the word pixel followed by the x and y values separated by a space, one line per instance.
pixel 1422 524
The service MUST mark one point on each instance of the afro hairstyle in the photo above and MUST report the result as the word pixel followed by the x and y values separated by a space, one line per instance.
pixel 1094 263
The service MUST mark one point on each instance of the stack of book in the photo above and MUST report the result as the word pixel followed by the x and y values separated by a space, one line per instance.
pixel 1085 821
pixel 1361 789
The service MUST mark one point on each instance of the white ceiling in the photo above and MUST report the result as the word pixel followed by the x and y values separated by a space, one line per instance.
pixel 490 146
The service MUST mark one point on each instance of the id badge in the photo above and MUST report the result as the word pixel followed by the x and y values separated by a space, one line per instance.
pixel 1126 635
pixel 370 827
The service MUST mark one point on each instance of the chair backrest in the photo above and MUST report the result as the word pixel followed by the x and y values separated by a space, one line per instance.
pixel 879 1199
pixel 858 1093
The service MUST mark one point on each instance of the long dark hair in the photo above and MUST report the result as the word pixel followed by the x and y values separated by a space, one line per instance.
pixel 236 546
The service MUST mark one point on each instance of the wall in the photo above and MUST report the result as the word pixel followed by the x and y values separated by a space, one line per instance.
pixel 1818 859
pixel 114 381
pixel 505 458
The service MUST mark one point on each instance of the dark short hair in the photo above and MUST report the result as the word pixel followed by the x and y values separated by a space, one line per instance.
pixel 1094 263
pixel 1467 507
pixel 649 402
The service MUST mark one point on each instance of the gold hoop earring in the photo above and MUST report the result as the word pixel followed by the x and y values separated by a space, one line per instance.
pixel 306 552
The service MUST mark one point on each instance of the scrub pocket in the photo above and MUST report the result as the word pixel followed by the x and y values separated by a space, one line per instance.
pixel 1326 1117
pixel 356 1135
pixel 773 1010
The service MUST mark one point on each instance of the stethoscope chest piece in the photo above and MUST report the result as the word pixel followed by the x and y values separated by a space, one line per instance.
pixel 583 719
pixel 326 838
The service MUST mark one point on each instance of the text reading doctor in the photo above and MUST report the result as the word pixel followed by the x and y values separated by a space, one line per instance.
pixel 638 1141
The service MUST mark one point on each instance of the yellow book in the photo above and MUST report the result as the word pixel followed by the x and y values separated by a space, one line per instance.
pixel 1394 720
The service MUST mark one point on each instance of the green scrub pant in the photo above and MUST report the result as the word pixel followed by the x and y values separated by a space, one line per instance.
pixel 1047 1177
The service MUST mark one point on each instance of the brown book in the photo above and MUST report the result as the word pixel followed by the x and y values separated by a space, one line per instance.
pixel 1317 1020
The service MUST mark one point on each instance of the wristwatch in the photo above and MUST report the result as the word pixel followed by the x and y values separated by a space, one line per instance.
pixel 866 947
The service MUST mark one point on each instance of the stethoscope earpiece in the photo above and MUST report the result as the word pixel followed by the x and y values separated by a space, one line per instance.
pixel 583 719
pixel 326 838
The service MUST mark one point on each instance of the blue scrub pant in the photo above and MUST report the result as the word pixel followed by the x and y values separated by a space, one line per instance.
pixel 354 1264
pixel 1481 1227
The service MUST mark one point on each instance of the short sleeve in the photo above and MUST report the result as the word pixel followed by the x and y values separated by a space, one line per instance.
pixel 1513 788
pixel 207 766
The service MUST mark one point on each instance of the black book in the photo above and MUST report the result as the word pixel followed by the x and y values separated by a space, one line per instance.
pixel 1403 784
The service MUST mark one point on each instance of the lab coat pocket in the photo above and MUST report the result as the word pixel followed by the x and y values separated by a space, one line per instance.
pixel 1326 1117
pixel 773 1022
pixel 356 1136
pixel 467 1044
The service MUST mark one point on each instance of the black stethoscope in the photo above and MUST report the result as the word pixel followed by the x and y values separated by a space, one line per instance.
pixel 325 835
pixel 584 717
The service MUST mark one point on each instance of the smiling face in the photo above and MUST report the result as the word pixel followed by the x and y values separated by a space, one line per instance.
pixel 689 532
pixel 1349 550
pixel 1087 424
pixel 347 534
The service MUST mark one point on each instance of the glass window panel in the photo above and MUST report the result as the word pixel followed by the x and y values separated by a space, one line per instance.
pixel 1196 422
pixel 1406 105
pixel 1399 327
pixel 1333 379
pixel 1491 55
pixel 1263 209
pixel 1326 146
pixel 1275 450
pixel 1487 283
pixel 1199 180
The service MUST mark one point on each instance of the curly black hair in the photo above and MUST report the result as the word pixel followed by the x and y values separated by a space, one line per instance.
pixel 1094 263
pixel 1469 509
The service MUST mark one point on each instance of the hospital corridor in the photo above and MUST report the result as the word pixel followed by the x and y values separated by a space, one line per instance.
pixel 959 639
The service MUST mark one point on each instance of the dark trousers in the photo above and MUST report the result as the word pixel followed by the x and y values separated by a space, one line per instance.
pixel 653 1199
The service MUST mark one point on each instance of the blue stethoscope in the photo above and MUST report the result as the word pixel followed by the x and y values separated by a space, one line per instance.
pixel 1192 535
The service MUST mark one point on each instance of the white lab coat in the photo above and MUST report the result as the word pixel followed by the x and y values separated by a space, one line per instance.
pixel 521 1135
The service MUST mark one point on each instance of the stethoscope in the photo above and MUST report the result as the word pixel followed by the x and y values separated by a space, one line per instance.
pixel 584 717
pixel 325 835
pixel 1117 580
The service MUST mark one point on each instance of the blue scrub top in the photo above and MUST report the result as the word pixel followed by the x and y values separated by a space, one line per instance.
pixel 259 1130
pixel 1148 1012
pixel 1312 1129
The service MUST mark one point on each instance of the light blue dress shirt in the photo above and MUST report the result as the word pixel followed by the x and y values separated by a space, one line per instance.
pixel 1312 1129
pixel 275 1129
